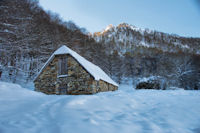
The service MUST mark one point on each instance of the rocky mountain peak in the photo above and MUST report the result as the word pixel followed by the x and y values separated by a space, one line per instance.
pixel 122 27
pixel 126 37
pixel 110 26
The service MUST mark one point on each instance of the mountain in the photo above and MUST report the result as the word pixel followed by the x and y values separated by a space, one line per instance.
pixel 127 37
pixel 145 53
pixel 29 35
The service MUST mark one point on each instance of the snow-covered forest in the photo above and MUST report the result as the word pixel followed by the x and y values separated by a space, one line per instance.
pixel 29 35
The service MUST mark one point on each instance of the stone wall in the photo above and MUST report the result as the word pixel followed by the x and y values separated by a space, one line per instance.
pixel 78 80
pixel 104 86
pixel 46 82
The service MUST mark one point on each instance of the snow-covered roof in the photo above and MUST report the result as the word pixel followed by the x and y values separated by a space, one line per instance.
pixel 94 70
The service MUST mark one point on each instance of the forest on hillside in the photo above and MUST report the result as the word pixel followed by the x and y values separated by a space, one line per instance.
pixel 29 35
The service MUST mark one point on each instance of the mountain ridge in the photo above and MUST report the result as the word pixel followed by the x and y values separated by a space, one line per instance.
pixel 137 28
pixel 124 33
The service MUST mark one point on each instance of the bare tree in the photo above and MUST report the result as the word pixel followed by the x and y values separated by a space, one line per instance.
pixel 184 72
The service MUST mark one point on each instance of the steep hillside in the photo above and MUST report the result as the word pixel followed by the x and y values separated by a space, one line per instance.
pixel 144 53
pixel 28 35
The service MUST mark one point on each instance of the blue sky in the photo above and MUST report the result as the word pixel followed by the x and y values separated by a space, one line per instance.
pixel 180 17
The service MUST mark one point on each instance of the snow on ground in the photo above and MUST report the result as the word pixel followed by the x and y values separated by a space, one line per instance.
pixel 123 111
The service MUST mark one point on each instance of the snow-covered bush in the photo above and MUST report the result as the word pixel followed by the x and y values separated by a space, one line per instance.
pixel 152 82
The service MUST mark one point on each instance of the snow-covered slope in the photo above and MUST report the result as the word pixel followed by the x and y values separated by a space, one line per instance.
pixel 143 52
pixel 125 111
pixel 126 37
pixel 28 35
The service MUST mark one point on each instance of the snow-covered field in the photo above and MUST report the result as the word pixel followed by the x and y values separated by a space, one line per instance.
pixel 122 111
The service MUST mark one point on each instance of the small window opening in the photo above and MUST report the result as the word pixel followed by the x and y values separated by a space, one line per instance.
pixel 62 66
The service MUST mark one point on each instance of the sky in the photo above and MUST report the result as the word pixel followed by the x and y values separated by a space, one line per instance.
pixel 180 17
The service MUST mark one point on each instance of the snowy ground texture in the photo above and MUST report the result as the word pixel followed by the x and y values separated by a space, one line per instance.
pixel 122 111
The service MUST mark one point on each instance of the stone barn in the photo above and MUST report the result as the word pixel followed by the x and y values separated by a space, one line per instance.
pixel 66 72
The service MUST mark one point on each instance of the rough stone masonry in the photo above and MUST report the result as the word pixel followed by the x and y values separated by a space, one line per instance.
pixel 77 81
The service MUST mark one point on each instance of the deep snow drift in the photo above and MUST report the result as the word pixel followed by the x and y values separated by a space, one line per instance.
pixel 122 111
